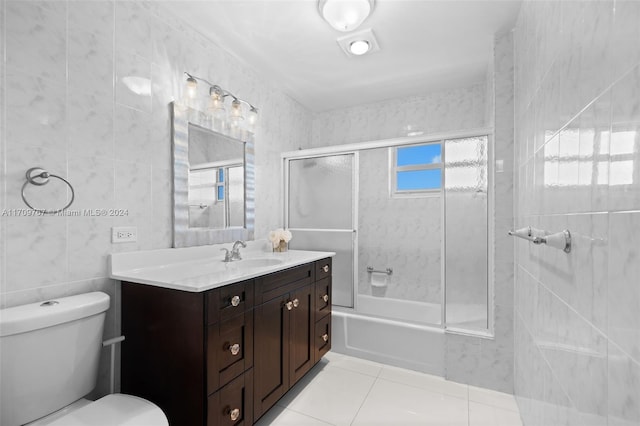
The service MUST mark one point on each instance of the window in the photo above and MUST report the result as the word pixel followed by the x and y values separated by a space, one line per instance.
pixel 417 169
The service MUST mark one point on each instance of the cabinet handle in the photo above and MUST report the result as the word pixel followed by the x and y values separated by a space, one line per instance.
pixel 234 414
pixel 289 305
pixel 325 297
pixel 235 300
pixel 234 349
pixel 296 303
pixel 325 337
pixel 325 268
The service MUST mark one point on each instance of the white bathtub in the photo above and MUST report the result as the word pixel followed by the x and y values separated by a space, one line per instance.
pixel 405 341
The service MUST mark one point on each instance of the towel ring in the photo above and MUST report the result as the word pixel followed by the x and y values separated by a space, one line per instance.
pixel 39 177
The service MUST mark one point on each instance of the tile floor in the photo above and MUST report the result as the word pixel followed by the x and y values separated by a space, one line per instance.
pixel 342 390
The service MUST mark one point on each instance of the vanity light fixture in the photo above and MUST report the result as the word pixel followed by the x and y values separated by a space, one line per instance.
pixel 345 15
pixel 217 96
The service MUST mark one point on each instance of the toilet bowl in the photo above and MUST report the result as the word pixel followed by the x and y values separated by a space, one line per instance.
pixel 110 410
pixel 49 357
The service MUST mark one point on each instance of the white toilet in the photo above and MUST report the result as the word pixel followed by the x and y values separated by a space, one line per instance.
pixel 49 355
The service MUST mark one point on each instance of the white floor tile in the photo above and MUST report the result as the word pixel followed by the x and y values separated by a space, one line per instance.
pixel 502 400
pixel 423 381
pixel 358 365
pixel 486 415
pixel 279 416
pixel 391 403
pixel 334 395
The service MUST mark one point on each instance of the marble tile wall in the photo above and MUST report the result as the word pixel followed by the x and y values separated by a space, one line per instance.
pixel 479 361
pixel 397 233
pixel 448 110
pixel 577 155
pixel 486 362
pixel 68 107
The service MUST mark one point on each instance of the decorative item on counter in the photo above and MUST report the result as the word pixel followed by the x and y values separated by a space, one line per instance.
pixel 280 239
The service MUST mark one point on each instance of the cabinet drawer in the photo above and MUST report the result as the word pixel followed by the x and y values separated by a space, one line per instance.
pixel 323 268
pixel 322 299
pixel 233 404
pixel 274 285
pixel 229 350
pixel 225 302
pixel 322 338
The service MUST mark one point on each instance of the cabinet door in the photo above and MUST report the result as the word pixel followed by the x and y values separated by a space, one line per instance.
pixel 323 298
pixel 301 345
pixel 229 350
pixel 271 339
pixel 233 404
pixel 322 338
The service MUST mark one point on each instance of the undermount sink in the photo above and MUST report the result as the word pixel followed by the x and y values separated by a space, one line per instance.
pixel 256 263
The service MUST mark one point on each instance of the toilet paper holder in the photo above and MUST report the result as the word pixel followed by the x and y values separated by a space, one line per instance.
pixel 388 271
pixel 560 240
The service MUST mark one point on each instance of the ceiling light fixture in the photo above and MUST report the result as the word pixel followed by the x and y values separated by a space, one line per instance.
pixel 359 47
pixel 359 43
pixel 345 15
pixel 215 107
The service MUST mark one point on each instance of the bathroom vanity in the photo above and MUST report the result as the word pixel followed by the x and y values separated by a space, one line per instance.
pixel 221 344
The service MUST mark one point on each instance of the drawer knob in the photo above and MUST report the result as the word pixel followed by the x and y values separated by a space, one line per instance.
pixel 234 349
pixel 325 337
pixel 235 300
pixel 296 303
pixel 325 297
pixel 289 305
pixel 234 414
pixel 325 268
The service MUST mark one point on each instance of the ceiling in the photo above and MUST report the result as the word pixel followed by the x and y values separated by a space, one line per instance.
pixel 425 45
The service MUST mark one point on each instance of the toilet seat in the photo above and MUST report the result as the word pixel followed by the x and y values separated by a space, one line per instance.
pixel 115 410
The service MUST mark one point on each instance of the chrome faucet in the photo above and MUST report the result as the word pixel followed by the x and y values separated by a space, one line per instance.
pixel 235 251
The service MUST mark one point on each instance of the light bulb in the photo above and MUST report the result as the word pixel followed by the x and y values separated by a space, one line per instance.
pixel 216 101
pixel 359 47
pixel 236 112
pixel 192 86
pixel 252 116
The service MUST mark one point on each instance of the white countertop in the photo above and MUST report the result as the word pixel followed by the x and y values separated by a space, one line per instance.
pixel 197 269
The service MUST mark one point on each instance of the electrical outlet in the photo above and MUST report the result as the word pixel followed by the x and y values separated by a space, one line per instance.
pixel 124 234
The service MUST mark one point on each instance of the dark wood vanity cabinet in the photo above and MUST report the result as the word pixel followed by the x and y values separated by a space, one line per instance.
pixel 190 353
pixel 225 356
pixel 287 325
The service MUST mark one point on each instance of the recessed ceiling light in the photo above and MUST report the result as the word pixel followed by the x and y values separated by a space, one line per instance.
pixel 359 43
pixel 359 47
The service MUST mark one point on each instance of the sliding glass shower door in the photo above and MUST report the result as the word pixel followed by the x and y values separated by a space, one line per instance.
pixel 320 197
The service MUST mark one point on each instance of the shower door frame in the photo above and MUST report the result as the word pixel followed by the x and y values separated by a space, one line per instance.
pixel 355 173
pixel 355 148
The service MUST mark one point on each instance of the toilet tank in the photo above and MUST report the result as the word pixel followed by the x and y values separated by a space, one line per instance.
pixel 49 354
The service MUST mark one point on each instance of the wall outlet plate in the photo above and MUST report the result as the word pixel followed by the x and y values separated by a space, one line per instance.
pixel 124 234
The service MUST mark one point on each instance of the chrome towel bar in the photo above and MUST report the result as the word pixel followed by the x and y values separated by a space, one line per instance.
pixel 388 271
pixel 560 240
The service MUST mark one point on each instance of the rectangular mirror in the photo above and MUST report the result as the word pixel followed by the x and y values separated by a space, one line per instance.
pixel 213 180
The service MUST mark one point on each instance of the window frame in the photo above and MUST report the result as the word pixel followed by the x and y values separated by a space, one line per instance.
pixel 394 169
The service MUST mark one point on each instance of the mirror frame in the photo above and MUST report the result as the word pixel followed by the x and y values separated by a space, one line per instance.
pixel 183 235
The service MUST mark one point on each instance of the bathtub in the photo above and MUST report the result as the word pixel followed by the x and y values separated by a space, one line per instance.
pixel 406 341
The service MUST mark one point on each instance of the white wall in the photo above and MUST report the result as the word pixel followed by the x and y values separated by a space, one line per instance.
pixel 577 339
pixel 449 110
pixel 66 108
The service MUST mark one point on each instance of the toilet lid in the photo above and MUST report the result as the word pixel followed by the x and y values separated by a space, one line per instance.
pixel 115 410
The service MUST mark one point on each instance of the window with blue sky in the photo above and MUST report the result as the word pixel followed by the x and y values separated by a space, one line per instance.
pixel 417 169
